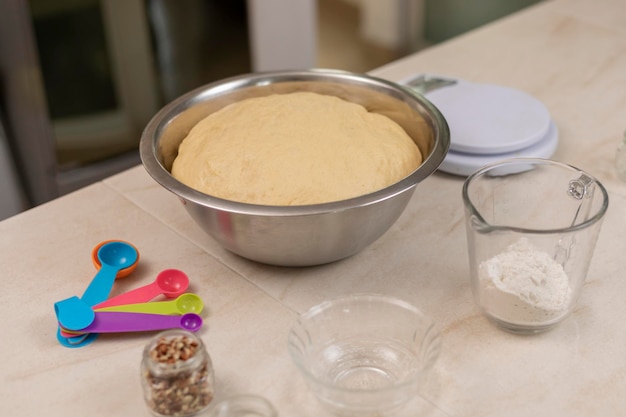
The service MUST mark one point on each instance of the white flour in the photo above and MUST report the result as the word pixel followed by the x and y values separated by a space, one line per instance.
pixel 524 285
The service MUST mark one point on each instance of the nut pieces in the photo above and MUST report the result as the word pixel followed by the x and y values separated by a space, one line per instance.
pixel 173 350
pixel 177 375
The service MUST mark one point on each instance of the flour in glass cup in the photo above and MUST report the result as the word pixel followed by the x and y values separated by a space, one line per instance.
pixel 524 285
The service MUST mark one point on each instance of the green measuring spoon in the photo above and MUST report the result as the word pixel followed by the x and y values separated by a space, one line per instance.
pixel 185 303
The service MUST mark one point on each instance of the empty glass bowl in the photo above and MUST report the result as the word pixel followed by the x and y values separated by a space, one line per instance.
pixel 364 354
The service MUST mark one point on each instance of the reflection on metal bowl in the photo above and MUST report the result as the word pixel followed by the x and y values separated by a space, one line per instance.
pixel 297 235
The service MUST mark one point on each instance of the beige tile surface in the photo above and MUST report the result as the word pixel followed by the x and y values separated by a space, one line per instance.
pixel 245 329
pixel 568 53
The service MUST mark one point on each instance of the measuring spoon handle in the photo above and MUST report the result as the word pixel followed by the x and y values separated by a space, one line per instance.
pixel 138 295
pixel 155 307
pixel 100 286
pixel 115 321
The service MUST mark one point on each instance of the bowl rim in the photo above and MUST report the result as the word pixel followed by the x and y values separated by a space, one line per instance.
pixel 360 297
pixel 148 142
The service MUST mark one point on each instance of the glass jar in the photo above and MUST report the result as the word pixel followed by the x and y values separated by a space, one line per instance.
pixel 177 374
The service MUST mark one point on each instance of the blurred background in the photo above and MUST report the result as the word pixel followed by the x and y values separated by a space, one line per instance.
pixel 79 79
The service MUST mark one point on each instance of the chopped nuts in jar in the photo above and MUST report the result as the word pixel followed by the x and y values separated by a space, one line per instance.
pixel 177 374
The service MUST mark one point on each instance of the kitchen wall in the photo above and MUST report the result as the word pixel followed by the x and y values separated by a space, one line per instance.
pixel 444 19
pixel 356 35
pixel 12 200
pixel 399 27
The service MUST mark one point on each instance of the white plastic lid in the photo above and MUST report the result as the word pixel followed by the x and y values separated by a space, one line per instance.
pixel 489 119
pixel 464 164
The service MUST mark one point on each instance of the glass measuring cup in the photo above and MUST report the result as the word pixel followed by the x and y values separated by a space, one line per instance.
pixel 532 226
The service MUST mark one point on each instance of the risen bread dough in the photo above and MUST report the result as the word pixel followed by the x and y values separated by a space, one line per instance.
pixel 294 149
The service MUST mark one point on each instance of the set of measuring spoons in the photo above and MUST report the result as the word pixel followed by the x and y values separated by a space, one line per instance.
pixel 81 319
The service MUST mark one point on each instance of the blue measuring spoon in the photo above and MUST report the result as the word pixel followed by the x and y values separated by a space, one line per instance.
pixel 73 313
pixel 78 341
pixel 76 313
pixel 113 256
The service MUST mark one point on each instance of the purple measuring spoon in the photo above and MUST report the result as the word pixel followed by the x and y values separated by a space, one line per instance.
pixel 119 322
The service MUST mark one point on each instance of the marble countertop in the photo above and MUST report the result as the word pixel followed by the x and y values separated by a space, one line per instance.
pixel 570 54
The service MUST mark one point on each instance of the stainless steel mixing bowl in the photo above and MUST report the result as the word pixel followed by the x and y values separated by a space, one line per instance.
pixel 296 235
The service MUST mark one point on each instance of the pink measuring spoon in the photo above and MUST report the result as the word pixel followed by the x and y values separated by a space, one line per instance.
pixel 169 282
pixel 118 322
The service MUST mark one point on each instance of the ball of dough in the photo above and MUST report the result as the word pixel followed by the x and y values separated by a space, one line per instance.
pixel 294 149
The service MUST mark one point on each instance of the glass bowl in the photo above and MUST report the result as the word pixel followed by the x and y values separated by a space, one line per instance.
pixel 364 354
